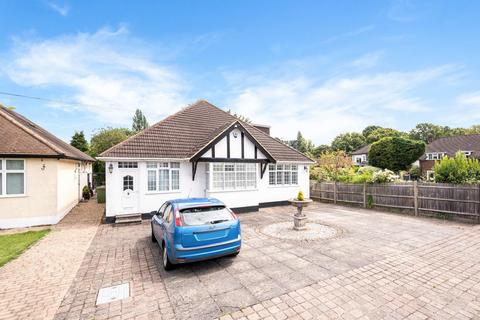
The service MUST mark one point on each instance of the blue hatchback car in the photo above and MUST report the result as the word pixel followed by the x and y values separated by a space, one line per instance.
pixel 195 229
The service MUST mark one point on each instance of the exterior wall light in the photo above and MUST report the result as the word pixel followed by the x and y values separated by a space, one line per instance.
pixel 110 168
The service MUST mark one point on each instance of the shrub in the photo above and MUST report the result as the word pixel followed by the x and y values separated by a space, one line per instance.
pixel 395 153
pixel 86 193
pixel 384 176
pixel 331 165
pixel 458 170
pixel 300 196
pixel 415 173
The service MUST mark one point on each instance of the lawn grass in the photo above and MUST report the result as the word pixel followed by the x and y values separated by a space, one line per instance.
pixel 12 245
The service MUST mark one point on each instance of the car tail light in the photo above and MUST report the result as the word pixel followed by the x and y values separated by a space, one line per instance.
pixel 233 214
pixel 178 220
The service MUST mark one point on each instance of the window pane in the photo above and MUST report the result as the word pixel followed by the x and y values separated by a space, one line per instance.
pixel 251 180
pixel 14 165
pixel 0 164
pixel 218 167
pixel 15 183
pixel 271 178
pixel 287 167
pixel 218 180
pixel 294 167
pixel 229 180
pixel 152 180
pixel 287 177
pixel 229 167
pixel 279 177
pixel 175 165
pixel 163 177
pixel 279 166
pixel 271 167
pixel 1 183
pixel 241 178
pixel 127 183
pixel 151 164
pixel 175 179
pixel 163 164
pixel 240 166
pixel 294 177
pixel 251 167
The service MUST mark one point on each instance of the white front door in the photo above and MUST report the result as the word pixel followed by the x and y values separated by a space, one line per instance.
pixel 129 187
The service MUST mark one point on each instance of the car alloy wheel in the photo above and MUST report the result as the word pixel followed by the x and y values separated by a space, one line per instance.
pixel 165 257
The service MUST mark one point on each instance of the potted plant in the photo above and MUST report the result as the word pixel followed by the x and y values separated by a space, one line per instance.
pixel 86 193
pixel 299 219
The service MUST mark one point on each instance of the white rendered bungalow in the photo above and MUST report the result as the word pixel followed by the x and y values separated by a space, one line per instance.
pixel 202 151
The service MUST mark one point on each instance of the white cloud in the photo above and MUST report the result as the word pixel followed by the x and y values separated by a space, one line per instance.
pixel 60 9
pixel 321 109
pixel 368 60
pixel 102 70
pixel 470 99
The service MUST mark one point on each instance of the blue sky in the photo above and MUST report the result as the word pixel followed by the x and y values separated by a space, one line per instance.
pixel 322 67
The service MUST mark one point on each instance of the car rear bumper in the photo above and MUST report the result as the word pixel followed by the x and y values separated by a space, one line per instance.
pixel 190 254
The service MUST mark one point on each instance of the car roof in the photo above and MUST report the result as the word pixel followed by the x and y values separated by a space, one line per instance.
pixel 192 202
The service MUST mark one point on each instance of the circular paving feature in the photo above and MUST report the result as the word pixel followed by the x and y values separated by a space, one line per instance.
pixel 314 231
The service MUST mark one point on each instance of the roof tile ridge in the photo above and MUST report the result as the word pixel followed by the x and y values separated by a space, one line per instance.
pixel 151 127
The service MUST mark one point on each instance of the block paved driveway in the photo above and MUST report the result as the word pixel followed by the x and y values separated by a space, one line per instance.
pixel 380 266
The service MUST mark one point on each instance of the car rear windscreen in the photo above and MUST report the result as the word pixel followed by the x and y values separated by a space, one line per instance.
pixel 205 215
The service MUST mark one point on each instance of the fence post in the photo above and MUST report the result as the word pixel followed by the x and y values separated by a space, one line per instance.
pixel 415 196
pixel 364 194
pixel 478 205
pixel 335 192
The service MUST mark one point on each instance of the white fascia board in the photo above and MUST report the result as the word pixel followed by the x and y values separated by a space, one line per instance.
pixel 141 159
pixel 297 162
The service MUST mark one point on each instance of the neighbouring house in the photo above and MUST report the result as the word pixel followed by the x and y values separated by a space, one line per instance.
pixel 449 146
pixel 360 156
pixel 41 176
pixel 202 151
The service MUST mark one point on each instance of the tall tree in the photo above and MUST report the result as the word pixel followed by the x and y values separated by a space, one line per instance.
pixel 139 121
pixel 78 141
pixel 427 132
pixel 348 142
pixel 106 138
pixel 395 153
pixel 380 133
pixel 366 132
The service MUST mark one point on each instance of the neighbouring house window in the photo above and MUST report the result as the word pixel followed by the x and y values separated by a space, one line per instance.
pixel 127 183
pixel 435 155
pixel 163 176
pixel 127 164
pixel 467 154
pixel 233 176
pixel 12 177
pixel 282 174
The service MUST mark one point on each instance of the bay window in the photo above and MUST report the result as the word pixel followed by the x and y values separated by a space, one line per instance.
pixel 12 177
pixel 282 174
pixel 163 176
pixel 232 176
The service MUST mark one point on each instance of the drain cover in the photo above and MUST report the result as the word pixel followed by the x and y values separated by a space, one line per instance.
pixel 110 294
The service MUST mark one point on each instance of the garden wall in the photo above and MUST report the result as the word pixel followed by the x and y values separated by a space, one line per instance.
pixel 418 198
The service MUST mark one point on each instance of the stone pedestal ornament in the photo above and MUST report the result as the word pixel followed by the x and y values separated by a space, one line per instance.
pixel 299 218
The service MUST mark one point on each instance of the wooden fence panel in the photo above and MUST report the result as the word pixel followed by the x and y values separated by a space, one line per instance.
pixel 392 195
pixel 426 198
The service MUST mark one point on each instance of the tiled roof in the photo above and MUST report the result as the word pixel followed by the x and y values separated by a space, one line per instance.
pixel 450 145
pixel 184 133
pixel 362 150
pixel 21 137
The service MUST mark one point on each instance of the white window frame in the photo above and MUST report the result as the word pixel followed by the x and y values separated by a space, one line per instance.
pixel 218 168
pixel 435 155
pixel 282 168
pixel 467 154
pixel 169 167
pixel 4 172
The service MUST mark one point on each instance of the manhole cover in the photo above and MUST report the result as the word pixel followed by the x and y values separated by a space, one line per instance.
pixel 110 294
pixel 314 231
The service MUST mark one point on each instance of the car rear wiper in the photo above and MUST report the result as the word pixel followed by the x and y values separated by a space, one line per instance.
pixel 218 221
